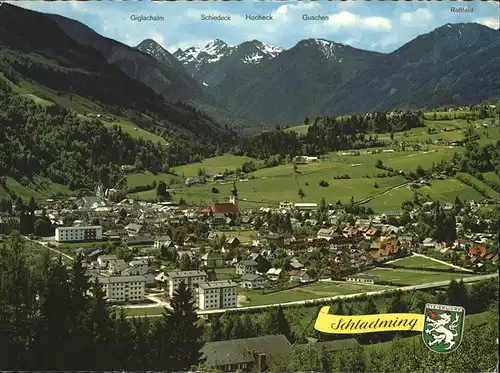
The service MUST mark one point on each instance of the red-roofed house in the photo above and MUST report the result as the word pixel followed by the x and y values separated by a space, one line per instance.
pixel 225 208
pixel 205 209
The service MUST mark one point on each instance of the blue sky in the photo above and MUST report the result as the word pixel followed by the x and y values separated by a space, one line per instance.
pixel 379 26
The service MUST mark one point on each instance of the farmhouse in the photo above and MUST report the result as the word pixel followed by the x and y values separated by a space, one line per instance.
pixel 299 275
pixel 305 159
pixel 275 274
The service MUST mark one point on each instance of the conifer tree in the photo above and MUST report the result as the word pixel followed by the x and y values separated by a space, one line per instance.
pixel 215 329
pixel 181 324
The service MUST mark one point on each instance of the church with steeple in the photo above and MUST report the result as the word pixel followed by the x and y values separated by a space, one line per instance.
pixel 229 209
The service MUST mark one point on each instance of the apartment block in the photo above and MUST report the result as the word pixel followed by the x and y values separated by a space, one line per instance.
pixel 123 288
pixel 217 295
pixel 191 278
pixel 78 233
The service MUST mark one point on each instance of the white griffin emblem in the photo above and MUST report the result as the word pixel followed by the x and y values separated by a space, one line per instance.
pixel 443 327
pixel 442 331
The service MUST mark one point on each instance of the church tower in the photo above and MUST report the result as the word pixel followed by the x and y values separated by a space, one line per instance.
pixel 234 195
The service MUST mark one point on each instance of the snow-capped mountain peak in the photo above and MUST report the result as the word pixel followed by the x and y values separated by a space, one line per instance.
pixel 210 53
pixel 251 52
pixel 151 47
pixel 329 49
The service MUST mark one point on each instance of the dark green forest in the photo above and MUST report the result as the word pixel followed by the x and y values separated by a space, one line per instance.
pixel 49 321
pixel 329 134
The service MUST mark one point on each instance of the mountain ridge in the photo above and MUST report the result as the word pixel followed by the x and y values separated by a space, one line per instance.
pixel 321 77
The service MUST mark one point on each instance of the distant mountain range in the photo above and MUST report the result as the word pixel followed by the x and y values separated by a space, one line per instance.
pixel 237 86
pixel 455 64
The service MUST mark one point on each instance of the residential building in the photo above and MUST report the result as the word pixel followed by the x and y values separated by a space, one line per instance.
pixel 123 288
pixel 161 241
pixel 249 354
pixel 246 267
pixel 191 278
pixel 275 274
pixel 81 233
pixel 217 295
pixel 259 241
pixel 253 281
pixel 429 243
pixel 367 279
pixel 262 263
pixel 104 260
pixel 325 233
pixel 142 265
pixel 212 260
pixel 117 266
pixel 299 275
pixel 275 240
pixel 133 229
pixel 232 242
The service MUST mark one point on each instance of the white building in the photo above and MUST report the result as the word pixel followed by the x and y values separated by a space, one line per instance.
pixel 123 288
pixel 191 278
pixel 366 279
pixel 305 206
pixel 103 260
pixel 246 267
pixel 254 281
pixel 142 265
pixel 80 233
pixel 217 295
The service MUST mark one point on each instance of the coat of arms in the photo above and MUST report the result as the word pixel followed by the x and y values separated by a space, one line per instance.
pixel 443 327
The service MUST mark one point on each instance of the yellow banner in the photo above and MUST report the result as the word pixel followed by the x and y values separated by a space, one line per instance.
pixel 357 324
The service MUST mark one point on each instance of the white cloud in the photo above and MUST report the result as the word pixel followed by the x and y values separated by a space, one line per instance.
pixel 419 17
pixel 388 41
pixel 490 22
pixel 347 19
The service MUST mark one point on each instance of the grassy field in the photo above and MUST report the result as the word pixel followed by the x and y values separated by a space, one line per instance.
pixel 480 184
pixel 311 291
pixel 412 277
pixel 214 165
pixel 447 190
pixel 244 236
pixel 270 191
pixel 144 311
pixel 269 186
pixel 301 129
pixel 418 261
pixel 147 178
pixel 491 176
pixel 45 96
pixel 38 188
pixel 136 132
